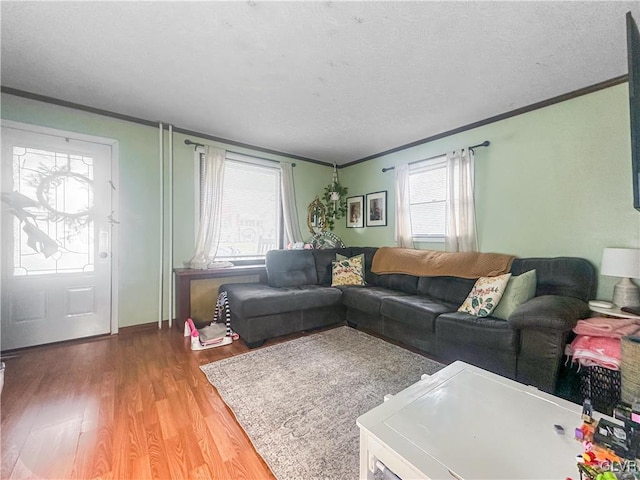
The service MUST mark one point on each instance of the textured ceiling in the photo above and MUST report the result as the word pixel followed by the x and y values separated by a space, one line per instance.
pixel 331 81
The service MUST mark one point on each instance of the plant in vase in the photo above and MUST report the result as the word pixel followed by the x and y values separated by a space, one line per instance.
pixel 335 200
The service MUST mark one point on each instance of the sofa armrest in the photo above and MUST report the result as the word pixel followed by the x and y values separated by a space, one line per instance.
pixel 553 312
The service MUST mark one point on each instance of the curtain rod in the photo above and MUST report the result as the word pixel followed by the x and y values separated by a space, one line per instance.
pixel 196 145
pixel 486 143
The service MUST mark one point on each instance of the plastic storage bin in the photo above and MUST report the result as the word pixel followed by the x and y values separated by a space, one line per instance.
pixel 602 386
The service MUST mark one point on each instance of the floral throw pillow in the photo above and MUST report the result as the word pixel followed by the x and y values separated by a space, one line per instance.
pixel 348 271
pixel 485 295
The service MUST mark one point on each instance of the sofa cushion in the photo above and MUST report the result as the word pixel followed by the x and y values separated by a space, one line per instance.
pixel 447 289
pixel 485 295
pixel 465 329
pixel 367 298
pixel 519 289
pixel 288 268
pixel 369 277
pixel 256 299
pixel 565 276
pixel 415 310
pixel 398 281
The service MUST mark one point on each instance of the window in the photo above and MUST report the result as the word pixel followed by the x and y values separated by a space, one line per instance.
pixel 251 209
pixel 427 198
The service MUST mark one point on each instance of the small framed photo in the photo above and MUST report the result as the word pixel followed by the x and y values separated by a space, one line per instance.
pixel 355 212
pixel 377 209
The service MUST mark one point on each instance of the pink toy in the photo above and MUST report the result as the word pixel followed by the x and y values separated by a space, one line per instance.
pixel 217 333
pixel 190 330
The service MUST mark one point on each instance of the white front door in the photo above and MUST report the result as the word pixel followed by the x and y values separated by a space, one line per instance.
pixel 56 238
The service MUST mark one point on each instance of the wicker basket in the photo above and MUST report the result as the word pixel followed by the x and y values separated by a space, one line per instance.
pixel 630 369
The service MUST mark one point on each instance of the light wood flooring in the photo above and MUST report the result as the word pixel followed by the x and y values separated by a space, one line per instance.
pixel 129 406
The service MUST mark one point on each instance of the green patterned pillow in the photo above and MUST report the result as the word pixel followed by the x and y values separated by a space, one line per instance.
pixel 342 257
pixel 348 271
pixel 485 295
pixel 519 289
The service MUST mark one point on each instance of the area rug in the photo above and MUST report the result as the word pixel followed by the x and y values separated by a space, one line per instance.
pixel 298 401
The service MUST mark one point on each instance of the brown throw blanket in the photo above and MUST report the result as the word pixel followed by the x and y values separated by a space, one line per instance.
pixel 434 263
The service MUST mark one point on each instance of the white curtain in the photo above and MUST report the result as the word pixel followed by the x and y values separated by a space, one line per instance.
pixel 404 235
pixel 210 210
pixel 292 231
pixel 460 232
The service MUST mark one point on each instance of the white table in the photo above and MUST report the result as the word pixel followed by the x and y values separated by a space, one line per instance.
pixel 466 423
pixel 613 312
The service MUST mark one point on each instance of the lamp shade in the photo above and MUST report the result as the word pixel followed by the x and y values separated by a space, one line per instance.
pixel 621 262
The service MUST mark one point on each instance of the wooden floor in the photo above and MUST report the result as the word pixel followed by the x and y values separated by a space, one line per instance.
pixel 129 406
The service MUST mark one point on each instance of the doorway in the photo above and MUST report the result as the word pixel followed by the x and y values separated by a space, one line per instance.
pixel 58 214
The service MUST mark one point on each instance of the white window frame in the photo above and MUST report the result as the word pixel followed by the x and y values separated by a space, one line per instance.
pixel 234 157
pixel 434 163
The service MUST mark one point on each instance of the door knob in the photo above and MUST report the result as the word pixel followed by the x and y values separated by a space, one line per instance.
pixel 104 254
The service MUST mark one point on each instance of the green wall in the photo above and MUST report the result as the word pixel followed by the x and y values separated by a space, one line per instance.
pixel 555 181
pixel 138 190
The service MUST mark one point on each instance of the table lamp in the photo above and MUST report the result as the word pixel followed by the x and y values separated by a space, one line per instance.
pixel 625 263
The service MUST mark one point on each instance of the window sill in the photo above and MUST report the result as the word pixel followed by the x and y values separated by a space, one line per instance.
pixel 428 239
pixel 196 273
pixel 243 263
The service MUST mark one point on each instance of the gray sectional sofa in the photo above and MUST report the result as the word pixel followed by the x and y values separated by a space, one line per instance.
pixel 420 312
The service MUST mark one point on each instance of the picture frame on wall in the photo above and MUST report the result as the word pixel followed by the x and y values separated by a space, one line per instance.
pixel 377 209
pixel 355 212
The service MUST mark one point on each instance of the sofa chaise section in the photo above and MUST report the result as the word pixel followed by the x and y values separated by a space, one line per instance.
pixel 291 301
pixel 259 311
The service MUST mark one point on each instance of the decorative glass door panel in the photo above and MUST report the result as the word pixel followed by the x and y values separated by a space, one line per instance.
pixel 54 234
pixel 56 271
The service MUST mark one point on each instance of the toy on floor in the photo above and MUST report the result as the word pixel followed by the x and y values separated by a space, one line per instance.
pixel 610 449
pixel 217 333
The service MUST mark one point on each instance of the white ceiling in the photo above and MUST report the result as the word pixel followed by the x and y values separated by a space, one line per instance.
pixel 331 81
